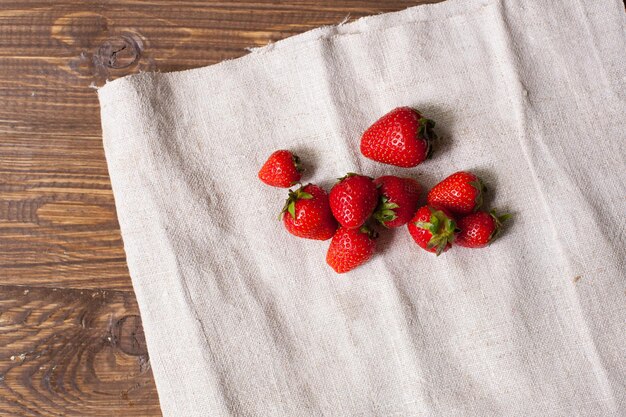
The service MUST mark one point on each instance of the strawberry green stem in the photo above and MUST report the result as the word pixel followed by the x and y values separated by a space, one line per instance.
pixel 297 163
pixel 373 234
pixel 427 133
pixel 385 211
pixel 290 203
pixel 480 192
pixel 442 229
pixel 498 220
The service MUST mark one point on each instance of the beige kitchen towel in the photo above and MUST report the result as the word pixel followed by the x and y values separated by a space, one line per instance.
pixel 243 319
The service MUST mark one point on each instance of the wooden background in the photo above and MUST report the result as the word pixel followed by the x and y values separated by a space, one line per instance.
pixel 71 341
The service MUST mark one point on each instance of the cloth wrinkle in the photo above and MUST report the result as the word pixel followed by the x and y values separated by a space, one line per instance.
pixel 243 319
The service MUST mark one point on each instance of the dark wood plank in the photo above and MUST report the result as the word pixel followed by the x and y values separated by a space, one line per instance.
pixel 69 345
pixel 73 352
pixel 57 221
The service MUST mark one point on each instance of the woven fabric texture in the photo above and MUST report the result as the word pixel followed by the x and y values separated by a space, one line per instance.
pixel 243 319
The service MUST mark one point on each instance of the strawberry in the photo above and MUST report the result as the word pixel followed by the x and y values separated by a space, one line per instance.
pixel 402 137
pixel 307 213
pixel 353 199
pixel 398 200
pixel 282 169
pixel 461 193
pixel 478 229
pixel 350 248
pixel 433 229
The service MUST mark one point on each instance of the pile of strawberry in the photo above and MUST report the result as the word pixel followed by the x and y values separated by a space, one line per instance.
pixel 402 138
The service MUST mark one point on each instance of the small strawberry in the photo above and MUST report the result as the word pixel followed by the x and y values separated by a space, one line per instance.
pixel 398 200
pixel 461 193
pixel 282 169
pixel 402 137
pixel 307 213
pixel 478 229
pixel 432 229
pixel 353 199
pixel 350 248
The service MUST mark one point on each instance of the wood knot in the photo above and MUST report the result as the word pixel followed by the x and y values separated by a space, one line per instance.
pixel 119 52
pixel 129 337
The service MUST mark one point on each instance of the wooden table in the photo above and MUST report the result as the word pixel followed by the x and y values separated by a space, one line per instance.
pixel 71 341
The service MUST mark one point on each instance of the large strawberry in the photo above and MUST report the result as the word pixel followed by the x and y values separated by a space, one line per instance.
pixel 478 229
pixel 353 199
pixel 432 229
pixel 461 193
pixel 350 248
pixel 307 213
pixel 282 169
pixel 402 137
pixel 398 200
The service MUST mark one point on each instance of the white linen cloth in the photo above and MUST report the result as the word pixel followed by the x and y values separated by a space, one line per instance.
pixel 242 319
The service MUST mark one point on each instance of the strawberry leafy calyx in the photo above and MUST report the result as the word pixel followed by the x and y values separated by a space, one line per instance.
pixel 351 174
pixel 297 162
pixel 290 203
pixel 480 192
pixel 385 211
pixel 498 219
pixel 348 175
pixel 427 133
pixel 442 229
pixel 371 233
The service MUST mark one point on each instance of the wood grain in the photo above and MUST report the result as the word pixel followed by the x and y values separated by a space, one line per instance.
pixel 51 157
pixel 73 352
pixel 70 336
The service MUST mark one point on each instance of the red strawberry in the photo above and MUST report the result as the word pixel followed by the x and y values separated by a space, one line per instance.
pixel 282 169
pixel 307 213
pixel 478 229
pixel 432 229
pixel 398 200
pixel 402 137
pixel 350 248
pixel 353 199
pixel 461 193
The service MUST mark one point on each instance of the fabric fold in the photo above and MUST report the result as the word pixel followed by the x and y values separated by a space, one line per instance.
pixel 243 319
